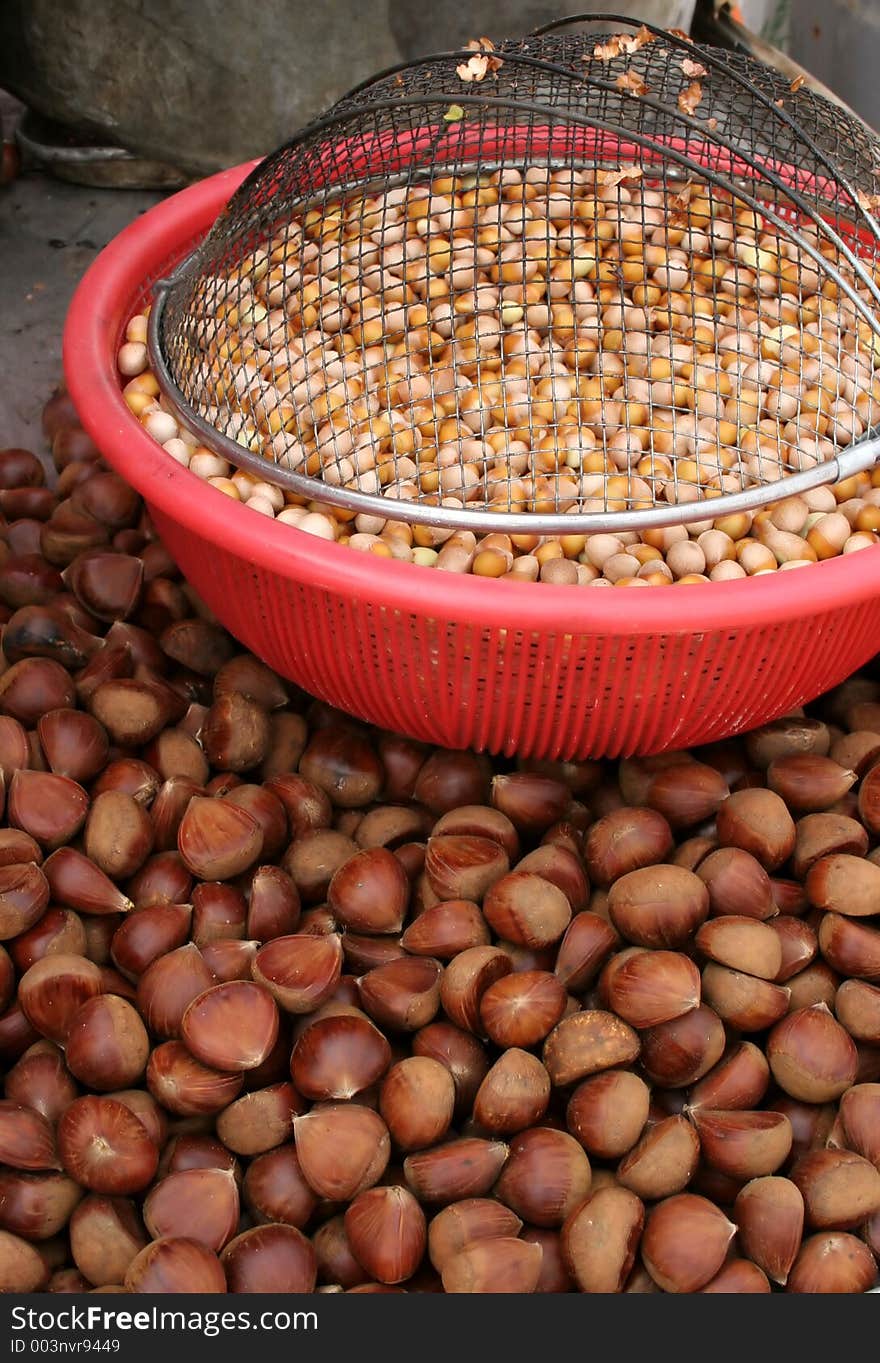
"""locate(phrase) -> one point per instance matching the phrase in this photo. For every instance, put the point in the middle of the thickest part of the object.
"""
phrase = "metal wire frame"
(246, 215)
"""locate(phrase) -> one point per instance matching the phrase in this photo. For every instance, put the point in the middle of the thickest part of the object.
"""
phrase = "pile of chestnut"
(289, 1004)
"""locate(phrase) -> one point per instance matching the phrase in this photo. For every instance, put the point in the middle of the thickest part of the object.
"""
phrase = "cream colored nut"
(314, 523)
(132, 358)
(207, 465)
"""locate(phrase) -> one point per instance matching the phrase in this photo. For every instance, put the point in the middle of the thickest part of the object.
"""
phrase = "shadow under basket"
(461, 661)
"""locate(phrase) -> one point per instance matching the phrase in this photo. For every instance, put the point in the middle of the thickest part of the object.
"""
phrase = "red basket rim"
(101, 306)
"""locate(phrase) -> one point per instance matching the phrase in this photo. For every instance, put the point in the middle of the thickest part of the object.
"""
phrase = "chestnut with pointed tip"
(202, 1202)
(169, 985)
(460, 1053)
(514, 1094)
(416, 1100)
(743, 1144)
(187, 1087)
(387, 1232)
(739, 1081)
(402, 995)
(546, 1175)
(370, 892)
(625, 840)
(273, 1258)
(142, 937)
(651, 987)
(840, 1188)
(24, 897)
(833, 1262)
(231, 1026)
(343, 1148)
(445, 929)
(811, 1056)
(678, 1053)
(273, 908)
(464, 866)
(300, 971)
(744, 1002)
(464, 1168)
(809, 782)
(217, 840)
(658, 906)
(464, 1223)
(78, 882)
(53, 990)
(107, 1046)
(466, 979)
(600, 1239)
(588, 942)
(769, 1215)
(175, 1264)
(339, 1056)
(41, 1080)
(27, 1140)
(685, 1242)
(526, 909)
(607, 1113)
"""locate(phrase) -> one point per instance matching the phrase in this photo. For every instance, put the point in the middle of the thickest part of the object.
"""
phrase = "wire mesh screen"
(565, 283)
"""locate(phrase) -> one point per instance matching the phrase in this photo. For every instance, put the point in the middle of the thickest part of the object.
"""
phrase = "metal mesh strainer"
(571, 284)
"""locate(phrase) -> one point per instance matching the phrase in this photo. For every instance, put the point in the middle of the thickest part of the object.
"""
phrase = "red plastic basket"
(457, 660)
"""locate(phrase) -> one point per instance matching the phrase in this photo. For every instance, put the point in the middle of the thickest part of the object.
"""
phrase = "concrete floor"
(50, 232)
